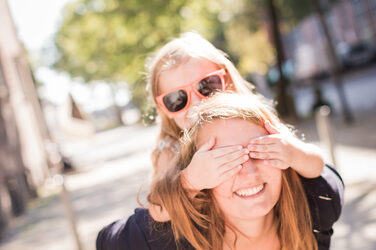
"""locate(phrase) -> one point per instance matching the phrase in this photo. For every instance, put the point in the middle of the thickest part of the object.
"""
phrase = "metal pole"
(324, 131)
(68, 210)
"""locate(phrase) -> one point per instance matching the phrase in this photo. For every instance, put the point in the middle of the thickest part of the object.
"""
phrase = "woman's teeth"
(250, 191)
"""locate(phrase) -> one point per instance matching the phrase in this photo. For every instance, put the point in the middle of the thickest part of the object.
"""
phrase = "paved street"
(114, 165)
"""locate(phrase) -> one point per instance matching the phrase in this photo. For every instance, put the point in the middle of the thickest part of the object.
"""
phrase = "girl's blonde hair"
(200, 220)
(180, 50)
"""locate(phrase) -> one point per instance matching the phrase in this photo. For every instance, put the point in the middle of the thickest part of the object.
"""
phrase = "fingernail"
(246, 151)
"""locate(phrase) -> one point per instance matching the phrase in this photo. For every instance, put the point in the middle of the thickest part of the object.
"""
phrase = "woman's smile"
(250, 192)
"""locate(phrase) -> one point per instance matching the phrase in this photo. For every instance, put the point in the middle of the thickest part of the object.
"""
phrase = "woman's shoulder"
(123, 234)
(139, 231)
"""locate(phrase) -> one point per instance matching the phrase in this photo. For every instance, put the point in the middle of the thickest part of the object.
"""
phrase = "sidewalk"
(113, 165)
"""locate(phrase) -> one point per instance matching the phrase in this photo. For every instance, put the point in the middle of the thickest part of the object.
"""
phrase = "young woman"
(263, 206)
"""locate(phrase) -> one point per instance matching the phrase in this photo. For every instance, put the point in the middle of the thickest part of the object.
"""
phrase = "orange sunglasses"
(179, 99)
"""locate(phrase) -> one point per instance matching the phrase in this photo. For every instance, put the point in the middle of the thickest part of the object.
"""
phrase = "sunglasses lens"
(209, 85)
(176, 100)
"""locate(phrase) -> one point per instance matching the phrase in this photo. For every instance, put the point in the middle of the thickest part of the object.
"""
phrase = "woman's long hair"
(180, 50)
(200, 220)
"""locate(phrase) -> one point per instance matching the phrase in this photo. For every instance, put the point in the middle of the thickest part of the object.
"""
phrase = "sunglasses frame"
(189, 88)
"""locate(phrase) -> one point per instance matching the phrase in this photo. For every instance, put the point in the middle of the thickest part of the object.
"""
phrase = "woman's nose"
(248, 167)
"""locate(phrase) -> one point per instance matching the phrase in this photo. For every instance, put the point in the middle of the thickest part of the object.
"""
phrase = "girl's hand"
(210, 167)
(284, 151)
(276, 149)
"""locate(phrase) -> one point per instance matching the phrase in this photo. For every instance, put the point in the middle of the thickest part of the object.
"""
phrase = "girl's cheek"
(181, 120)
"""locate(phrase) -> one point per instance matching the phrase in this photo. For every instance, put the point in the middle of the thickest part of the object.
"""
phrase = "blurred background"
(77, 126)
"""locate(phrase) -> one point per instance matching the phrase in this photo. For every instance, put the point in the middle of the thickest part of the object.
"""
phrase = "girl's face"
(255, 189)
(188, 72)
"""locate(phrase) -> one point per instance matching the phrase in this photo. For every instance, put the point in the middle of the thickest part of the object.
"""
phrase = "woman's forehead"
(229, 132)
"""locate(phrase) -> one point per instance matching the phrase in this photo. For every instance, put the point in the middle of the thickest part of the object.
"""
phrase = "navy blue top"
(140, 231)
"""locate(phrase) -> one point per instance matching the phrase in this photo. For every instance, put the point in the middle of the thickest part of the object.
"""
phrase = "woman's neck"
(260, 233)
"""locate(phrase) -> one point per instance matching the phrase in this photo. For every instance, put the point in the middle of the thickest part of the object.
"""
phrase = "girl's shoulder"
(168, 142)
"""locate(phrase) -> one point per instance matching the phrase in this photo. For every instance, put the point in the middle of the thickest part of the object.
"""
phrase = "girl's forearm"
(308, 160)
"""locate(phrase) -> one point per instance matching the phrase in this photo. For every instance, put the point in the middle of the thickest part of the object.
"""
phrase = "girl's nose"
(194, 99)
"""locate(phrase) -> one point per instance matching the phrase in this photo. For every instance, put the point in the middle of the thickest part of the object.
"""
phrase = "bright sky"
(36, 22)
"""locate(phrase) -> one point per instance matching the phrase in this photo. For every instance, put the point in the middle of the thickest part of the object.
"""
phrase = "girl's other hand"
(210, 167)
(284, 150)
(275, 149)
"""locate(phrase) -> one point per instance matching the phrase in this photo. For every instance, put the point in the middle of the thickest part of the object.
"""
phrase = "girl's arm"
(307, 159)
(159, 213)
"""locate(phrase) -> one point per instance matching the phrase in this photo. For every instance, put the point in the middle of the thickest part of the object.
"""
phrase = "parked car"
(356, 55)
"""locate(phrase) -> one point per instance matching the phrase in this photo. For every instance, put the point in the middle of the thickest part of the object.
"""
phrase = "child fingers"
(270, 128)
(263, 155)
(231, 164)
(262, 148)
(229, 173)
(268, 139)
(219, 152)
(209, 144)
(232, 156)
